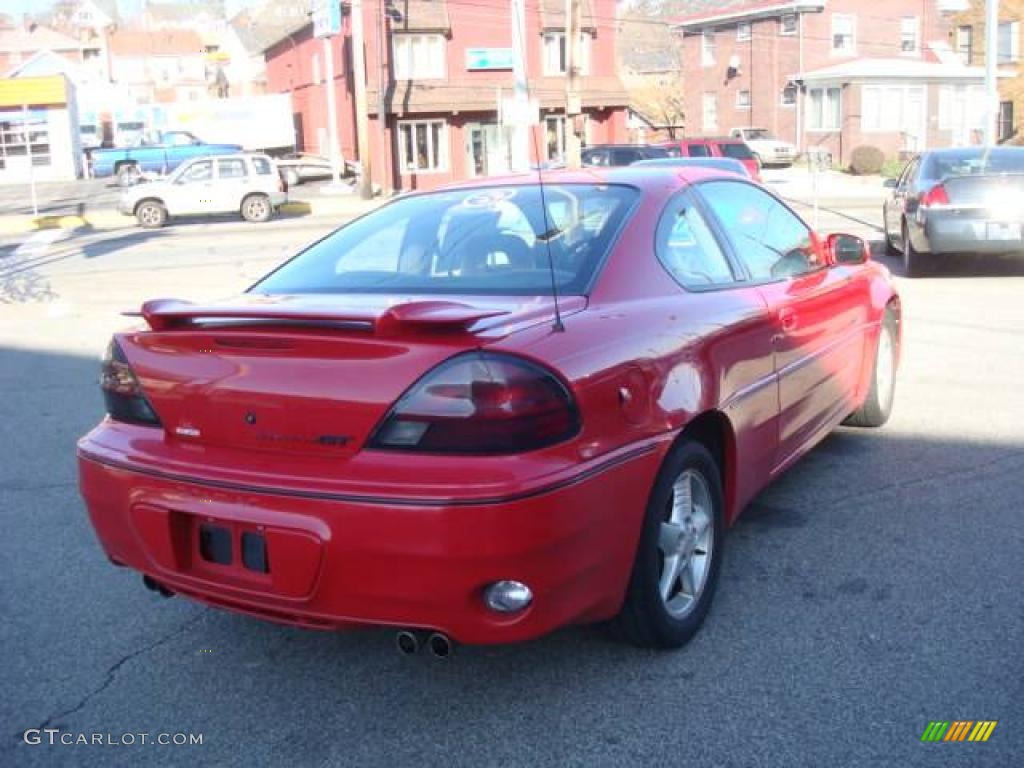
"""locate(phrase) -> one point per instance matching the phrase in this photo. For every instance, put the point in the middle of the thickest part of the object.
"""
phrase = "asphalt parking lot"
(874, 588)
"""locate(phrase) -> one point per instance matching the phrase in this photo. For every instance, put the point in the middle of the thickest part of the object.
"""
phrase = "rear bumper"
(343, 561)
(953, 231)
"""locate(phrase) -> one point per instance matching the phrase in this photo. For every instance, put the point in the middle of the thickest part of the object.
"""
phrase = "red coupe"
(492, 410)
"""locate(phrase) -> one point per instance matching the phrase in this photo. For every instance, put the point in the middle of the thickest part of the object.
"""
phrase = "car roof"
(620, 146)
(698, 139)
(652, 180)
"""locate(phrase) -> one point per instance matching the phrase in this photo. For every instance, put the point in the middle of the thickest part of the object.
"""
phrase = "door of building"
(488, 149)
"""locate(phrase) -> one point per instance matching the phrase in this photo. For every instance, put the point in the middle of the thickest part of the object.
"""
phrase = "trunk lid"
(304, 375)
(990, 191)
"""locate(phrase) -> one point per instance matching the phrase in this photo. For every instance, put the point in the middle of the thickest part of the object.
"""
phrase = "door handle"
(787, 320)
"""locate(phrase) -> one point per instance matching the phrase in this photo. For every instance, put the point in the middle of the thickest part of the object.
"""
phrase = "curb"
(108, 219)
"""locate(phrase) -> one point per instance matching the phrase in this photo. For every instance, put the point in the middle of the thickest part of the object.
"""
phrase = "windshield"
(487, 240)
(974, 161)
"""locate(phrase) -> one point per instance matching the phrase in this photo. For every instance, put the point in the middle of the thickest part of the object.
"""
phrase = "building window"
(742, 99)
(908, 35)
(825, 109)
(965, 44)
(891, 108)
(788, 24)
(844, 34)
(556, 56)
(1006, 130)
(789, 95)
(20, 138)
(418, 57)
(709, 112)
(707, 48)
(743, 31)
(1009, 42)
(422, 145)
(554, 132)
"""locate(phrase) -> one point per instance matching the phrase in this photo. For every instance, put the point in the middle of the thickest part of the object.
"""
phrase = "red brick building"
(834, 74)
(445, 67)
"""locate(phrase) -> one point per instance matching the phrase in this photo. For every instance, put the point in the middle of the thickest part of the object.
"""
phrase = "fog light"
(507, 596)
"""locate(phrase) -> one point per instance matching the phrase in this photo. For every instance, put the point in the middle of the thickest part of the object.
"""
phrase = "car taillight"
(935, 196)
(121, 391)
(480, 403)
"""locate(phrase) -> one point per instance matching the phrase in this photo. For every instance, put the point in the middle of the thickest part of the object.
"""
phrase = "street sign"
(488, 58)
(326, 18)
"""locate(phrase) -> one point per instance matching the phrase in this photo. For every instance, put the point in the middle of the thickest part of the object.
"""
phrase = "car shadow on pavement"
(954, 266)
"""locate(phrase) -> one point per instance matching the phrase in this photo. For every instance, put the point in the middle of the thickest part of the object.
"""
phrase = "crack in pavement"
(111, 673)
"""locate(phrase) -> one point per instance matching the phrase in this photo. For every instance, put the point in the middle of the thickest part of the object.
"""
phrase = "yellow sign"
(33, 91)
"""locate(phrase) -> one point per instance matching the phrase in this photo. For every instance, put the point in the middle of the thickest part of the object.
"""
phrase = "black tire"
(645, 619)
(914, 262)
(128, 175)
(151, 214)
(877, 406)
(890, 247)
(256, 208)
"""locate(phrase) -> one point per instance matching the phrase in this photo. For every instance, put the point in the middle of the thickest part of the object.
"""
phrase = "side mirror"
(891, 183)
(847, 249)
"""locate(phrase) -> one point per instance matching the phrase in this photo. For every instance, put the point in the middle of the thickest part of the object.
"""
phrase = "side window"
(179, 139)
(262, 166)
(596, 157)
(231, 169)
(699, 150)
(674, 151)
(625, 156)
(688, 250)
(769, 239)
(907, 177)
(197, 172)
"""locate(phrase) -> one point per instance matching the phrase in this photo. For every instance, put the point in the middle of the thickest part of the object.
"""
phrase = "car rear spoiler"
(171, 314)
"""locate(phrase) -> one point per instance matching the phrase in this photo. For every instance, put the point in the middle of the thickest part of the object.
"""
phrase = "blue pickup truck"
(157, 152)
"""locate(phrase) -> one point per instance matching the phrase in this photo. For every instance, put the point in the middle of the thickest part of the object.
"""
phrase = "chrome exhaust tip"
(407, 642)
(440, 645)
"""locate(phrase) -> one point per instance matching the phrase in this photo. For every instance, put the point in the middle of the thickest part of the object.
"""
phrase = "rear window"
(972, 162)
(262, 166)
(490, 240)
(735, 150)
(673, 151)
(698, 150)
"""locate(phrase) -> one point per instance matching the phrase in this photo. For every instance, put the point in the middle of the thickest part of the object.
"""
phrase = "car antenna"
(547, 236)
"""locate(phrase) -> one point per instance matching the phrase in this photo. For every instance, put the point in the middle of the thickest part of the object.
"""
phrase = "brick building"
(835, 75)
(445, 67)
(967, 38)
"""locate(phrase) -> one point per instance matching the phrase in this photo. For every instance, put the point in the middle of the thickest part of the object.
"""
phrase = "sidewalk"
(832, 186)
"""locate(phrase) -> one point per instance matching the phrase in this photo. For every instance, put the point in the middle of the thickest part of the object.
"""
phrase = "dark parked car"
(726, 164)
(716, 146)
(965, 200)
(620, 154)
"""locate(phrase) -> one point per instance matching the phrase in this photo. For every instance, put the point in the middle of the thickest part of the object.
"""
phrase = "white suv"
(243, 183)
(766, 148)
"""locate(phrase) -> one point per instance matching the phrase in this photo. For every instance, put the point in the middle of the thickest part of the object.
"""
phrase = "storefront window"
(24, 134)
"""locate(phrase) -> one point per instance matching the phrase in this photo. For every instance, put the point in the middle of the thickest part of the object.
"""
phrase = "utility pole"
(383, 81)
(519, 105)
(573, 60)
(359, 83)
(991, 57)
(326, 24)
